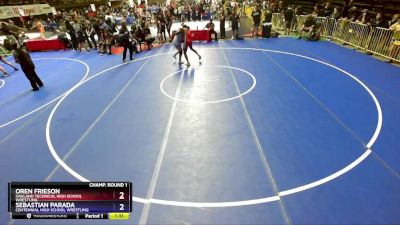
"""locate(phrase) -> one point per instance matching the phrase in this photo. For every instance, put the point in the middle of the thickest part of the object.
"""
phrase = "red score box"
(200, 35)
(44, 45)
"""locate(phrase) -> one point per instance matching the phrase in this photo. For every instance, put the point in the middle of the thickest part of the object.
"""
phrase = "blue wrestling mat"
(278, 131)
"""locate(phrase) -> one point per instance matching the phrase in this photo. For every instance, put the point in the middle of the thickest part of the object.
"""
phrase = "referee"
(22, 57)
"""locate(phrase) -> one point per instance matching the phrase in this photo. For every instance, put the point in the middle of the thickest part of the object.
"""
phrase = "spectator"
(93, 28)
(82, 36)
(336, 13)
(281, 7)
(256, 15)
(22, 37)
(210, 26)
(289, 16)
(316, 11)
(228, 12)
(235, 25)
(51, 24)
(72, 34)
(395, 27)
(274, 8)
(161, 29)
(87, 28)
(110, 29)
(377, 21)
(364, 17)
(148, 38)
(268, 15)
(39, 26)
(187, 13)
(222, 24)
(394, 20)
(62, 36)
(353, 14)
(328, 9)
(296, 15)
(346, 8)
(143, 36)
(180, 12)
(264, 5)
(109, 17)
(168, 19)
(196, 15)
(11, 31)
(104, 39)
(298, 10)
(308, 26)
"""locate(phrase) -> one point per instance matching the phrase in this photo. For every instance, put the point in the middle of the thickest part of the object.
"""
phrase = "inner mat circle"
(218, 80)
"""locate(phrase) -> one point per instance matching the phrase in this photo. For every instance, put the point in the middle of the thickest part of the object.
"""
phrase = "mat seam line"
(153, 183)
(261, 153)
(23, 125)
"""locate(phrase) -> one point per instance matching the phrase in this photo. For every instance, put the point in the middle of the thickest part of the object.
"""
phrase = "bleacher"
(54, 3)
(388, 7)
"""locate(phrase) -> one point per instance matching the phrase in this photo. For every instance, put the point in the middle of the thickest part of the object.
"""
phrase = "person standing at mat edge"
(126, 41)
(222, 24)
(234, 18)
(23, 58)
(256, 15)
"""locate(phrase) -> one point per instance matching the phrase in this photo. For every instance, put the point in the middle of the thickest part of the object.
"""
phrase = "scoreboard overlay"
(70, 200)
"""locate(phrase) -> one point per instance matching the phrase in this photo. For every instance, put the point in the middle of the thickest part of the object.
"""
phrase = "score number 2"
(121, 196)
(121, 206)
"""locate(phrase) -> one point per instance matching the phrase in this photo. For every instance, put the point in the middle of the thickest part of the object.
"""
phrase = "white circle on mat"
(301, 188)
(2, 83)
(210, 101)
